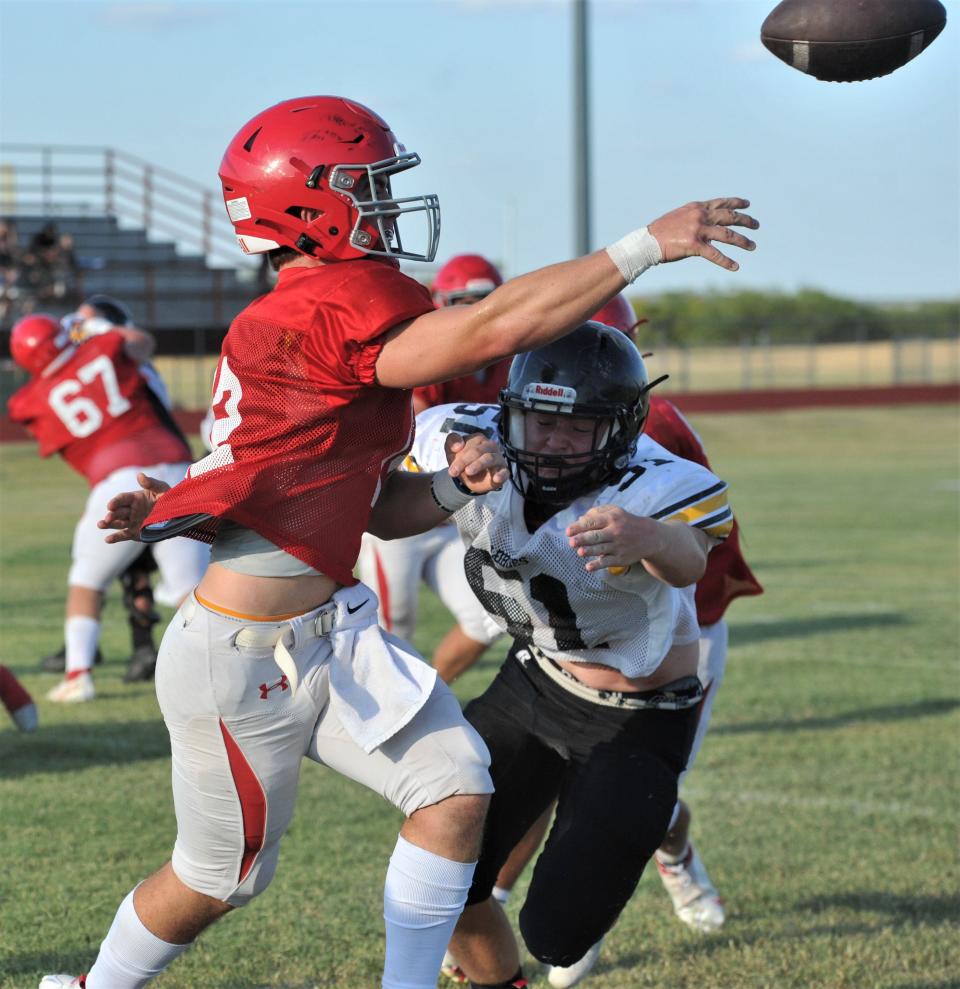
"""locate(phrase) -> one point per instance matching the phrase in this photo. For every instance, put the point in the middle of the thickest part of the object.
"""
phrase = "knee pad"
(135, 581)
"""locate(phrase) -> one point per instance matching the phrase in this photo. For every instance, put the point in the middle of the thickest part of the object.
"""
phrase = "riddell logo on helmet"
(551, 393)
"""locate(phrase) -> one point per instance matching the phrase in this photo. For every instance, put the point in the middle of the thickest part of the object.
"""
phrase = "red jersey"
(480, 388)
(97, 411)
(303, 435)
(727, 575)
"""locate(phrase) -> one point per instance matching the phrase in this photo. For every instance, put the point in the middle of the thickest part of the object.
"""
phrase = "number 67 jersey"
(94, 407)
(535, 586)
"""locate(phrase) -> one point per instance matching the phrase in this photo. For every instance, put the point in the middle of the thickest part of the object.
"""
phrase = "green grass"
(825, 799)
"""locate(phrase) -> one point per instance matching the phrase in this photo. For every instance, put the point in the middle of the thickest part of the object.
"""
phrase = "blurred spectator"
(9, 269)
(50, 267)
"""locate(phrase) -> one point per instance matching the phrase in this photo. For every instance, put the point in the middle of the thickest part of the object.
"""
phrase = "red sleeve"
(666, 425)
(727, 575)
(430, 395)
(357, 309)
(18, 405)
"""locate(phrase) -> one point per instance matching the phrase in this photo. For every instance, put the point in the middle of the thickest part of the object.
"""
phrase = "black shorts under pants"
(614, 772)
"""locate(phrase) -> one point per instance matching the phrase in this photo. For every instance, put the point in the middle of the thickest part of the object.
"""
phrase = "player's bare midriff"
(264, 596)
(679, 662)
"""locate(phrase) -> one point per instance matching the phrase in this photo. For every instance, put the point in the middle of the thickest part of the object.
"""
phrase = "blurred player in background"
(17, 701)
(98, 312)
(396, 567)
(588, 562)
(88, 401)
(313, 415)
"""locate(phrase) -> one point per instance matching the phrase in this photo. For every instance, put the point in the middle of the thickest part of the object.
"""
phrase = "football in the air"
(851, 40)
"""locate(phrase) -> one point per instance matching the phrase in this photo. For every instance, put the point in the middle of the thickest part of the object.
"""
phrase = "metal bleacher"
(154, 239)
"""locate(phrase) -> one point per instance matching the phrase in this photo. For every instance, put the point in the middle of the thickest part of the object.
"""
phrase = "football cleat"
(56, 662)
(75, 691)
(695, 899)
(451, 971)
(564, 976)
(142, 665)
(63, 982)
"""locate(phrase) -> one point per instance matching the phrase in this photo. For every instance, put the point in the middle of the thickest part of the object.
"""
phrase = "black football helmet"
(109, 308)
(594, 373)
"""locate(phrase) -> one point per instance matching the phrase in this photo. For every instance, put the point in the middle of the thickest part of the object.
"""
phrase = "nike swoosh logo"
(353, 611)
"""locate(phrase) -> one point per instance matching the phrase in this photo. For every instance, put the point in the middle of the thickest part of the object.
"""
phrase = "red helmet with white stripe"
(37, 340)
(332, 156)
(464, 278)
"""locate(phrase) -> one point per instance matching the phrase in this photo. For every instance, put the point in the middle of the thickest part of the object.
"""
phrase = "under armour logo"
(283, 683)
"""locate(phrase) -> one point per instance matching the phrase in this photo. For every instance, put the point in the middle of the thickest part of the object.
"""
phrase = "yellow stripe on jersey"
(718, 526)
(410, 464)
(691, 514)
(712, 514)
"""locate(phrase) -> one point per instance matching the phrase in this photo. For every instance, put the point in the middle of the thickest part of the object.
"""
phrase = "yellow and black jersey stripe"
(707, 509)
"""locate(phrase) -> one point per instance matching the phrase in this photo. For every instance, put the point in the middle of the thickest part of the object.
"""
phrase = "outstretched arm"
(531, 310)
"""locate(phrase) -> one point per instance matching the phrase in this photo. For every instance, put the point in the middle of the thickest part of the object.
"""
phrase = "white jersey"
(535, 586)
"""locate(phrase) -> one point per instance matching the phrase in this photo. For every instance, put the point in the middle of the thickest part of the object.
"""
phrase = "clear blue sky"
(856, 186)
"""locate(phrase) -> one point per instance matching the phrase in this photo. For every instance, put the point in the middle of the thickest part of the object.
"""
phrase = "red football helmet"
(466, 276)
(619, 314)
(36, 340)
(328, 154)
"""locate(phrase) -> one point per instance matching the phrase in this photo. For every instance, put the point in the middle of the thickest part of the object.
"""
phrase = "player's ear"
(308, 215)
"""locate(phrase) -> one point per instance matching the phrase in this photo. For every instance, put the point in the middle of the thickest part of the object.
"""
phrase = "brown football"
(851, 40)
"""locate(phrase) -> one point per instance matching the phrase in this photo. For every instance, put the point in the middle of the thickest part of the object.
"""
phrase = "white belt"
(262, 636)
(689, 693)
(281, 636)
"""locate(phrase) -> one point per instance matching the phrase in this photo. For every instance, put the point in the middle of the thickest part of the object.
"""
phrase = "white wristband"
(635, 253)
(449, 495)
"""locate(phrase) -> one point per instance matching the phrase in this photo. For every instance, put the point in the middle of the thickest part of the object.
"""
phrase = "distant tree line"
(807, 316)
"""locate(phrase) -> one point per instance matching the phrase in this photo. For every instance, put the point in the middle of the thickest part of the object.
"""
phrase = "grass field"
(826, 799)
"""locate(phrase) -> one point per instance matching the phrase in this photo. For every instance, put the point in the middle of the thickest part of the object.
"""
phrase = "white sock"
(82, 635)
(130, 955)
(423, 897)
(500, 894)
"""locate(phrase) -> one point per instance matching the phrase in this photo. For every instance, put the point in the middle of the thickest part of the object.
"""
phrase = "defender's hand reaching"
(607, 536)
(477, 461)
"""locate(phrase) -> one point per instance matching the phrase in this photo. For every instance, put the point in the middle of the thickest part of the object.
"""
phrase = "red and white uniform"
(727, 575)
(94, 408)
(303, 436)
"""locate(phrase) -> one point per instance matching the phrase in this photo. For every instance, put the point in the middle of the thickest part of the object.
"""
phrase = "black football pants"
(615, 773)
